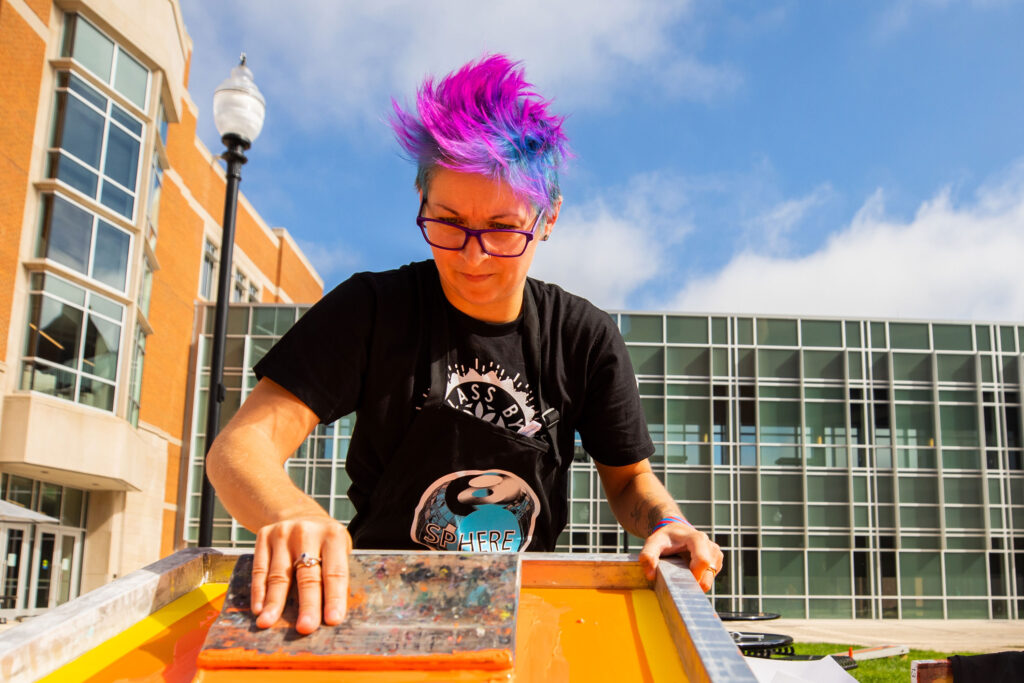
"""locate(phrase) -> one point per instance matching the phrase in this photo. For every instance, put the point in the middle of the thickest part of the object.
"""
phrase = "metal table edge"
(47, 642)
(706, 649)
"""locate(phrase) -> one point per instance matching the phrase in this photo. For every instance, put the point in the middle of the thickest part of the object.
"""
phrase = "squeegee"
(407, 611)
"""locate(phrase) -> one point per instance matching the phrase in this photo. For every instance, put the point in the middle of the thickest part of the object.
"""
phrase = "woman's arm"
(246, 467)
(246, 462)
(640, 502)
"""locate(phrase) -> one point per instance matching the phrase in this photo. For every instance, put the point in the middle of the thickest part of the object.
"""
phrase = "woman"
(468, 379)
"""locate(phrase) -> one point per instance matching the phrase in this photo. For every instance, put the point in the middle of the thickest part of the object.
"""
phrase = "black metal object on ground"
(762, 644)
(747, 616)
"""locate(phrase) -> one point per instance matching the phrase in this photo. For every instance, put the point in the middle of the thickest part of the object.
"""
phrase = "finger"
(705, 578)
(279, 578)
(260, 567)
(655, 546)
(706, 565)
(335, 577)
(310, 590)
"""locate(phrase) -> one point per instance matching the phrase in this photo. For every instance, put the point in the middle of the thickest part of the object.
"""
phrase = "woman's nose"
(474, 252)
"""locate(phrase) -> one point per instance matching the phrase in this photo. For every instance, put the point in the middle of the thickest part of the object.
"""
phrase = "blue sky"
(819, 157)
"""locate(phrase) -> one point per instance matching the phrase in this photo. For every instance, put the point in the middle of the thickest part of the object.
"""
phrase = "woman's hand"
(706, 556)
(643, 506)
(246, 466)
(322, 587)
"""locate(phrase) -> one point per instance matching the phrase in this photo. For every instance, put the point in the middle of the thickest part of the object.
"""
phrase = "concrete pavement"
(947, 636)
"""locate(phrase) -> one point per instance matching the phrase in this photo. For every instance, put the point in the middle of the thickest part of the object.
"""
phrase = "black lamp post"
(238, 111)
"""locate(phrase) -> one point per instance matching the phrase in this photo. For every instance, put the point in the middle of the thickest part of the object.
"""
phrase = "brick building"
(110, 211)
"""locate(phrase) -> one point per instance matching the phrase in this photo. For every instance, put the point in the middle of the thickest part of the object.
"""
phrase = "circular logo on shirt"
(490, 396)
(476, 511)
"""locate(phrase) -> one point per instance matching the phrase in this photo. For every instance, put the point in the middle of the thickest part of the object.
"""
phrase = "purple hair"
(485, 118)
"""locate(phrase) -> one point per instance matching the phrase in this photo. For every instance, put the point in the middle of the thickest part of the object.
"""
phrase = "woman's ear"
(549, 223)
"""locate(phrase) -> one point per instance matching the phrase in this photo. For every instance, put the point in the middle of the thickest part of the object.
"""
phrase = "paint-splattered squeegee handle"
(406, 611)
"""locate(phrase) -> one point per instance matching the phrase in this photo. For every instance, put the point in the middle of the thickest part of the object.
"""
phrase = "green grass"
(876, 670)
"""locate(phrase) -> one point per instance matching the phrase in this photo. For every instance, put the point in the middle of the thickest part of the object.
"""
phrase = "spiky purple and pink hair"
(486, 118)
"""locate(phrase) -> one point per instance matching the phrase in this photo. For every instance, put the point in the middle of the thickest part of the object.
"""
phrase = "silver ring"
(306, 560)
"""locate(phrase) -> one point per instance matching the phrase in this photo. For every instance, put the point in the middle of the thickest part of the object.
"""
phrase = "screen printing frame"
(61, 635)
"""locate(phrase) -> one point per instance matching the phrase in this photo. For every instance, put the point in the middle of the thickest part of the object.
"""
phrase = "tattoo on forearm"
(647, 512)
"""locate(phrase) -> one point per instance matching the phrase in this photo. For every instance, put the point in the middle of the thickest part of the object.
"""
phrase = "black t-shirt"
(486, 374)
(365, 348)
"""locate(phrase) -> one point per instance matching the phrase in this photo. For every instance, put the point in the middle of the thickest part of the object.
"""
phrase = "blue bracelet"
(671, 520)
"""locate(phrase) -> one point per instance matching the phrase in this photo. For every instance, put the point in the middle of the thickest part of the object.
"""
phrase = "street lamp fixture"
(238, 106)
(238, 111)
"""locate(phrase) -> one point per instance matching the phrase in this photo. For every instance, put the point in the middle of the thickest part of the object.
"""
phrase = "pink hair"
(486, 118)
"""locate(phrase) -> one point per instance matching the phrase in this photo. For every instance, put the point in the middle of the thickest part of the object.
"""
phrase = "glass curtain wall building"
(848, 468)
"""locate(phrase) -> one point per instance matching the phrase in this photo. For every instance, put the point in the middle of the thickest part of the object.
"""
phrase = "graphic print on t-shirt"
(487, 511)
(487, 392)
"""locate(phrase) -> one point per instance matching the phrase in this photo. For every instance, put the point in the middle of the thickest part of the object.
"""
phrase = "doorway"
(56, 563)
(15, 546)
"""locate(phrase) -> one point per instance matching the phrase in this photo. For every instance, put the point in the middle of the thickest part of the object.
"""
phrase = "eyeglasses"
(505, 243)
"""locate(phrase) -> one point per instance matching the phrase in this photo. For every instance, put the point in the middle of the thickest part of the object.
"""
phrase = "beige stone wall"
(123, 470)
(143, 512)
(67, 443)
(103, 539)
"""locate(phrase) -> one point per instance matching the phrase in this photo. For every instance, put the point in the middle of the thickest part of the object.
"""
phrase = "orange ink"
(562, 634)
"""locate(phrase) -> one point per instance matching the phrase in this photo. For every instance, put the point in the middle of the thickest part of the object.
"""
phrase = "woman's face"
(488, 288)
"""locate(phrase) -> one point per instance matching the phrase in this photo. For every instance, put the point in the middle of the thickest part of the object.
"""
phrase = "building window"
(146, 287)
(135, 383)
(72, 343)
(19, 490)
(96, 145)
(240, 288)
(80, 240)
(156, 182)
(84, 43)
(254, 294)
(63, 502)
(208, 270)
(161, 123)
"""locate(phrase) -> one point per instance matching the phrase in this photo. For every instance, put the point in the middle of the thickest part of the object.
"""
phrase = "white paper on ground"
(825, 670)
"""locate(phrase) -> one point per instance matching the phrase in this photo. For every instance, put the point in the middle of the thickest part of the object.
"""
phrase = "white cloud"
(773, 228)
(947, 262)
(897, 16)
(693, 80)
(608, 254)
(598, 255)
(331, 63)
